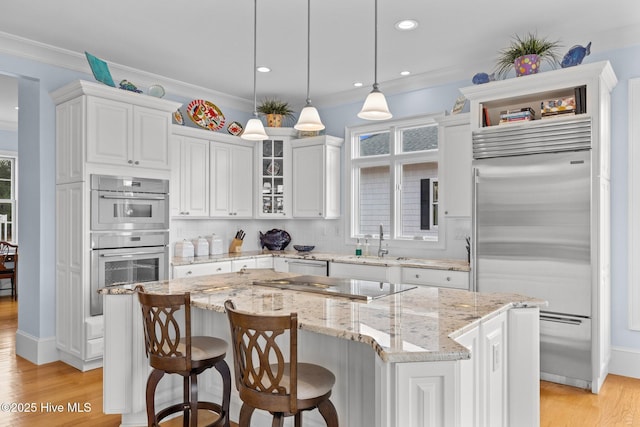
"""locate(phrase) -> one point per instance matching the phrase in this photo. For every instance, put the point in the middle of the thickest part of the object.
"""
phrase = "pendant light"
(254, 131)
(309, 119)
(375, 106)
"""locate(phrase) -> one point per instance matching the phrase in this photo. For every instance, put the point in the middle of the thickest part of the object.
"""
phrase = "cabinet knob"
(417, 276)
(219, 269)
(320, 213)
(136, 162)
(130, 162)
(446, 212)
(189, 273)
(448, 279)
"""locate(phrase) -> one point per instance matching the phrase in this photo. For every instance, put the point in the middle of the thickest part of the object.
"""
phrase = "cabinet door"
(359, 271)
(70, 147)
(274, 178)
(150, 138)
(242, 182)
(194, 179)
(470, 375)
(175, 192)
(308, 181)
(220, 184)
(109, 132)
(457, 170)
(493, 334)
(432, 277)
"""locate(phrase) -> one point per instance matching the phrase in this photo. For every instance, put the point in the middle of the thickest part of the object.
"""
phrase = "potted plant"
(524, 54)
(276, 111)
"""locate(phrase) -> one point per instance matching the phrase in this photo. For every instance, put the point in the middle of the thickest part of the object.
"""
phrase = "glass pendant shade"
(254, 131)
(375, 107)
(309, 119)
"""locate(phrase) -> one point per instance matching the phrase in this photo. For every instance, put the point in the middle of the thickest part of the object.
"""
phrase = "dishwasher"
(308, 266)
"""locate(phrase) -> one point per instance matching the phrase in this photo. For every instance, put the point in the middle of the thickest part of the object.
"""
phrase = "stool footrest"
(181, 407)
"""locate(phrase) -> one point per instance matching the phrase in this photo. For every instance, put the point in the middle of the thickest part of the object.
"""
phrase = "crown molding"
(52, 55)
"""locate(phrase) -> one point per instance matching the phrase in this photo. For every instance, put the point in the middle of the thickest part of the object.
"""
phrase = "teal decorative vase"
(527, 64)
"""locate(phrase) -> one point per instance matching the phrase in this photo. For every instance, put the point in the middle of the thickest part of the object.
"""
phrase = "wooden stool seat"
(172, 353)
(286, 388)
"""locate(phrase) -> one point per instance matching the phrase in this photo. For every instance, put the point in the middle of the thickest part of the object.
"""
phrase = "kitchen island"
(422, 357)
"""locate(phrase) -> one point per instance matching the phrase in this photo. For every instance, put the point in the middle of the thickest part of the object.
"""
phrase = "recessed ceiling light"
(405, 73)
(407, 25)
(358, 84)
(263, 69)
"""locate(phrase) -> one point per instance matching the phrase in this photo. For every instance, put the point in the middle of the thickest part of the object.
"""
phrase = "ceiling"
(209, 44)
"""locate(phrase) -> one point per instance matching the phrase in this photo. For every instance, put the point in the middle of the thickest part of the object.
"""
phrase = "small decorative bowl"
(303, 248)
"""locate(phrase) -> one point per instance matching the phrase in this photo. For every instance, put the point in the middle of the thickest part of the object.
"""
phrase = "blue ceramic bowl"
(303, 248)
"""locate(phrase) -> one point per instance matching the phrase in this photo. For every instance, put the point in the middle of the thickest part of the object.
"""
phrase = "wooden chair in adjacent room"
(9, 266)
(186, 355)
(265, 380)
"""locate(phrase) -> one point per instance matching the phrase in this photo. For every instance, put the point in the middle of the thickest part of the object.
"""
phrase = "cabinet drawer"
(359, 271)
(194, 270)
(94, 327)
(239, 264)
(264, 262)
(443, 278)
(95, 348)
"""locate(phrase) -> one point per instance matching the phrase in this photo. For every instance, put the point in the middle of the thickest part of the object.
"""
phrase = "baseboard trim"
(36, 350)
(625, 362)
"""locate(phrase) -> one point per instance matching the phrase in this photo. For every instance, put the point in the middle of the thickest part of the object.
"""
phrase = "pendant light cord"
(255, 42)
(308, 49)
(375, 46)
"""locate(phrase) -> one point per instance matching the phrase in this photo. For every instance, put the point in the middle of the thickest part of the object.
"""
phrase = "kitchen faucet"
(381, 252)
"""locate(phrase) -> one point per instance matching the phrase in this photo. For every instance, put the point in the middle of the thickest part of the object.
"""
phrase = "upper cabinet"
(189, 176)
(316, 177)
(455, 151)
(274, 173)
(232, 179)
(111, 127)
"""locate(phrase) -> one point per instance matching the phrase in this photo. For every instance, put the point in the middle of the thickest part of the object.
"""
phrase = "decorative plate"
(100, 69)
(177, 116)
(205, 114)
(272, 169)
(235, 128)
(156, 90)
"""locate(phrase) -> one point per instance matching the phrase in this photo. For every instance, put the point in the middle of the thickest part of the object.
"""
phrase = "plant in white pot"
(525, 54)
(276, 111)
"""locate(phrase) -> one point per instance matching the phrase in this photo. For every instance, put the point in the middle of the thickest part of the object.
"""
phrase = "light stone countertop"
(436, 264)
(412, 326)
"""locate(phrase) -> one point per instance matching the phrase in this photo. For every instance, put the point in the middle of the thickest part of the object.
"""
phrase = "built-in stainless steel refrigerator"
(531, 233)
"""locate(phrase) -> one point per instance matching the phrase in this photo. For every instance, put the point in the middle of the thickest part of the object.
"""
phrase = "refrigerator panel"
(565, 349)
(532, 228)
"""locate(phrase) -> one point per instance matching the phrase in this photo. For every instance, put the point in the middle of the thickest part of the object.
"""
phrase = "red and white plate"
(205, 114)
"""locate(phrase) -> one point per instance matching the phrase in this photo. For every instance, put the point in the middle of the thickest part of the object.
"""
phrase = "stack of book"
(558, 107)
(519, 115)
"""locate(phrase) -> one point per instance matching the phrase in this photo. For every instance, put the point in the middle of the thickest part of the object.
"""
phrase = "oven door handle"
(107, 196)
(130, 254)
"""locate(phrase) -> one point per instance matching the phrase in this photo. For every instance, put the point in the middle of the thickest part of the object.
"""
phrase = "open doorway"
(8, 167)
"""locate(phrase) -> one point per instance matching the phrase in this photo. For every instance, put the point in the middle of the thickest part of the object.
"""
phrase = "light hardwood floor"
(22, 382)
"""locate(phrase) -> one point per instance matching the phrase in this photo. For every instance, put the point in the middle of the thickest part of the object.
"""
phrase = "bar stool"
(170, 352)
(284, 389)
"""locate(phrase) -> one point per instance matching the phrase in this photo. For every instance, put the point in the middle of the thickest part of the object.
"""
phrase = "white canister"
(184, 249)
(216, 245)
(201, 246)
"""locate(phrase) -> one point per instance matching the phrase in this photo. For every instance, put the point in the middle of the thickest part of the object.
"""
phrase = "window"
(7, 198)
(393, 171)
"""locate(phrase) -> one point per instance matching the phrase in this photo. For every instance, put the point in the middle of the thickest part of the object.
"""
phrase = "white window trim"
(634, 206)
(400, 158)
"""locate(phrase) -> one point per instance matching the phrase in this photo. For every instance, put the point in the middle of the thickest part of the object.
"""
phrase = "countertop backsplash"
(326, 235)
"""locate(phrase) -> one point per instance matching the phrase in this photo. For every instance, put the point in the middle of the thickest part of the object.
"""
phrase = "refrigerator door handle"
(474, 230)
(559, 319)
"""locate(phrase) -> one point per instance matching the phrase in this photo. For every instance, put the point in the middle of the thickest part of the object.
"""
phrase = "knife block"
(235, 246)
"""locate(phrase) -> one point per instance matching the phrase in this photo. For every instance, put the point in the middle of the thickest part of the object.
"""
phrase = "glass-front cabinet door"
(275, 175)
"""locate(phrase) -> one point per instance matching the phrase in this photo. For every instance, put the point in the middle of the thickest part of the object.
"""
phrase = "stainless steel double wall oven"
(129, 232)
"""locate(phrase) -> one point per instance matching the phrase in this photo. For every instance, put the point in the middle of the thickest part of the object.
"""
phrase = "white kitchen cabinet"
(493, 359)
(202, 269)
(316, 177)
(239, 264)
(470, 377)
(231, 179)
(122, 134)
(281, 264)
(189, 176)
(434, 277)
(265, 262)
(454, 142)
(274, 174)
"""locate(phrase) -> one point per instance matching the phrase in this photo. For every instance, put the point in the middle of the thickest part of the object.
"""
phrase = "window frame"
(13, 156)
(395, 161)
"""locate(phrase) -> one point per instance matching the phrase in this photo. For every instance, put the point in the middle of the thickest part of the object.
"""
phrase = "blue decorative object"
(303, 248)
(481, 78)
(575, 55)
(100, 69)
(127, 85)
(275, 240)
